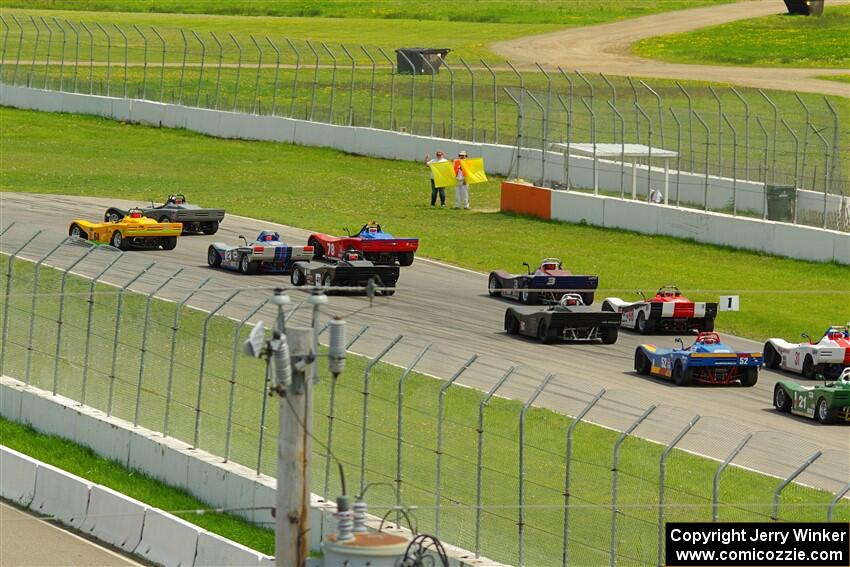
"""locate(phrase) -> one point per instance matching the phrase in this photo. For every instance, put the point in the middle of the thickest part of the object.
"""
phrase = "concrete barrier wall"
(500, 159)
(207, 477)
(781, 239)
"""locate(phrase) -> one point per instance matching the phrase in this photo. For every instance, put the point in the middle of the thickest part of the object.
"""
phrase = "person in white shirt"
(462, 189)
(435, 190)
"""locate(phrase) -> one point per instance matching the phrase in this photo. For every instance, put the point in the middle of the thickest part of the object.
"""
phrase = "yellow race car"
(135, 230)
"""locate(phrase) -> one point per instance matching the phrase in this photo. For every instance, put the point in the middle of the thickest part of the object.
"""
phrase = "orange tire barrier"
(526, 199)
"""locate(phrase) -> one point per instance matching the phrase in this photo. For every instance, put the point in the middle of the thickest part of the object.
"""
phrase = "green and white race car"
(825, 402)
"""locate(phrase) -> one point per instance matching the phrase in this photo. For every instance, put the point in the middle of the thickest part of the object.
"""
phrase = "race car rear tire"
(609, 335)
(164, 219)
(545, 334)
(809, 368)
(246, 266)
(113, 215)
(706, 326)
(493, 286)
(587, 298)
(822, 412)
(389, 289)
(781, 399)
(327, 281)
(607, 306)
(750, 377)
(642, 365)
(118, 241)
(169, 243)
(643, 325)
(511, 323)
(405, 259)
(77, 232)
(209, 228)
(527, 297)
(771, 357)
(213, 257)
(682, 377)
(318, 249)
(297, 277)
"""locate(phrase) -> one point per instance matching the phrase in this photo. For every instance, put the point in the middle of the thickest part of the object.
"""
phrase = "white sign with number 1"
(729, 303)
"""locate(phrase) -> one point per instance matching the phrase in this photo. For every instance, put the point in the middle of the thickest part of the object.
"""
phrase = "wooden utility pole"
(294, 450)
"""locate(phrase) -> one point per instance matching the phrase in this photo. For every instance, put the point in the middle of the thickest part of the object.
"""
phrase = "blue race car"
(266, 254)
(707, 360)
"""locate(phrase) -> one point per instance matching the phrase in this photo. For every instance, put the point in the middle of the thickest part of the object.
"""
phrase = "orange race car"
(133, 231)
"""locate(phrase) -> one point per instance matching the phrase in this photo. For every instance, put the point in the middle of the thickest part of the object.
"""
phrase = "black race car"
(195, 219)
(351, 270)
(570, 319)
(545, 285)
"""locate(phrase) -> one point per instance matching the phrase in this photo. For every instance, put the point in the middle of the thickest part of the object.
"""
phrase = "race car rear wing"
(565, 283)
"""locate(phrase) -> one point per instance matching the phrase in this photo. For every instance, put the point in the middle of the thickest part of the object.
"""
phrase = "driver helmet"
(135, 214)
(178, 200)
(550, 266)
(268, 237)
(709, 340)
(372, 229)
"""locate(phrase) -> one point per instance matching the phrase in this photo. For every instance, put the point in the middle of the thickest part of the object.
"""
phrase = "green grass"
(289, 184)
(83, 462)
(771, 41)
(744, 495)
(840, 78)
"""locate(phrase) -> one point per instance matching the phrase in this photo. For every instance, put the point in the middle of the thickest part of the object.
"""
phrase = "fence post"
(734, 164)
(838, 496)
(569, 125)
(276, 74)
(392, 88)
(785, 482)
(61, 61)
(5, 43)
(495, 102)
(351, 86)
(400, 427)
(662, 470)
(59, 320)
(613, 104)
(295, 78)
(472, 86)
(521, 84)
(143, 350)
(126, 49)
(592, 91)
(593, 144)
(47, 58)
(835, 126)
(715, 494)
(548, 101)
(433, 94)
(543, 141)
(616, 114)
(20, 44)
(91, 57)
(234, 360)
(8, 290)
(775, 134)
(719, 130)
(332, 416)
(87, 346)
(567, 151)
(145, 62)
(257, 78)
(746, 131)
(366, 374)
(480, 465)
(118, 310)
(678, 151)
(238, 71)
(521, 495)
(315, 77)
(796, 163)
(440, 403)
(764, 166)
(202, 366)
(649, 153)
(333, 81)
(31, 75)
(690, 122)
(565, 555)
(162, 63)
(660, 112)
(36, 276)
(518, 132)
(372, 88)
(412, 87)
(201, 70)
(825, 168)
(707, 142)
(805, 137)
(175, 327)
(615, 481)
(108, 56)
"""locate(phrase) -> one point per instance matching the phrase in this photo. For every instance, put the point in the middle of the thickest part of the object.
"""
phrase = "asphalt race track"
(450, 308)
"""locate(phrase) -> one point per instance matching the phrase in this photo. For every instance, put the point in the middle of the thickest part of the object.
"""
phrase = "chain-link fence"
(775, 139)
(485, 470)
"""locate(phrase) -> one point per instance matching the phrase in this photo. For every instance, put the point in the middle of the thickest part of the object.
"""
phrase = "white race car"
(829, 355)
(669, 310)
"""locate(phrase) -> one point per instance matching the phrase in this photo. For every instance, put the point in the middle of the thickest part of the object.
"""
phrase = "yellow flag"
(473, 170)
(444, 174)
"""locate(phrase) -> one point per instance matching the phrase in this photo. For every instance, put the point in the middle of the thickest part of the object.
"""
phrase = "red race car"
(669, 310)
(377, 246)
